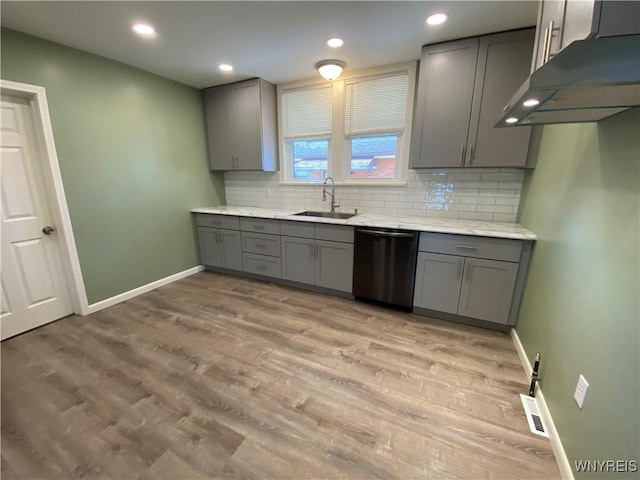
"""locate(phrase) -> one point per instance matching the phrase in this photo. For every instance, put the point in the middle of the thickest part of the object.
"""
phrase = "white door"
(34, 286)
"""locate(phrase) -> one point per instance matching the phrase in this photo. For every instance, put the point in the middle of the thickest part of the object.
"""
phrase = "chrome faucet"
(334, 203)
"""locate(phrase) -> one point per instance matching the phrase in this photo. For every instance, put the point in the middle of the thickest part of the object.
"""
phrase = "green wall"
(132, 152)
(581, 303)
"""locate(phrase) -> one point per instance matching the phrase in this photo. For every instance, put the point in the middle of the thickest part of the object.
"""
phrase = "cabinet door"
(503, 65)
(298, 262)
(334, 265)
(550, 21)
(246, 125)
(438, 280)
(579, 20)
(443, 107)
(230, 251)
(219, 143)
(487, 289)
(209, 246)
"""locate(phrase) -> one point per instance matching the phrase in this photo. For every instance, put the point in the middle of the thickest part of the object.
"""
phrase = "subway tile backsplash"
(468, 194)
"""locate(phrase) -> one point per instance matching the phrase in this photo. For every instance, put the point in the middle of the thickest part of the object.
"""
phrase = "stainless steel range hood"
(587, 81)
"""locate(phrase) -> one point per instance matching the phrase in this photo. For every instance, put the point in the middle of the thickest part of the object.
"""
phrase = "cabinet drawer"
(470, 246)
(261, 243)
(262, 265)
(218, 221)
(297, 229)
(334, 233)
(260, 225)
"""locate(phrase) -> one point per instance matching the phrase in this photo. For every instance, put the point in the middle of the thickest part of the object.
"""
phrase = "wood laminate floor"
(221, 377)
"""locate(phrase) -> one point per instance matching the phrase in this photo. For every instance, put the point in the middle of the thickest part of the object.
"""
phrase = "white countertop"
(421, 224)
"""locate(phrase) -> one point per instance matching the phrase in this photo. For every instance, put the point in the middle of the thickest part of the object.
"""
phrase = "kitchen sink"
(309, 213)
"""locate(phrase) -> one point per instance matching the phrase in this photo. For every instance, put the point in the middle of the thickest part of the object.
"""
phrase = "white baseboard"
(556, 445)
(94, 307)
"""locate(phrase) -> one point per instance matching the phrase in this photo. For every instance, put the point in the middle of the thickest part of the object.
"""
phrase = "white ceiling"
(278, 41)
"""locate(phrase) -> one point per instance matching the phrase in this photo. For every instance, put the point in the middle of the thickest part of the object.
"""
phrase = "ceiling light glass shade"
(335, 42)
(225, 67)
(437, 18)
(330, 69)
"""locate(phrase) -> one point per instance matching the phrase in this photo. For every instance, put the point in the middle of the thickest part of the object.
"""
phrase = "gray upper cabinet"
(462, 88)
(503, 64)
(219, 142)
(241, 126)
(445, 90)
(549, 32)
(561, 22)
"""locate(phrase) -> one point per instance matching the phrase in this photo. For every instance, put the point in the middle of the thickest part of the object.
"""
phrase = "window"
(354, 129)
(306, 131)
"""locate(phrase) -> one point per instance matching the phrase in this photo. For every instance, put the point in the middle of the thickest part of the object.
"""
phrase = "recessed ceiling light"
(225, 67)
(335, 42)
(437, 18)
(143, 29)
(511, 120)
(531, 102)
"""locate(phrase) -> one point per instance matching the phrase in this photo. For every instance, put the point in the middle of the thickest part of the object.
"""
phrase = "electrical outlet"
(581, 391)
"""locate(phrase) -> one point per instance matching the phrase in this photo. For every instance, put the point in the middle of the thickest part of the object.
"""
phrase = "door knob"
(48, 230)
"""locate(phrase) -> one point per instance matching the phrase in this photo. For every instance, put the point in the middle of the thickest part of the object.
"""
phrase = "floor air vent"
(533, 415)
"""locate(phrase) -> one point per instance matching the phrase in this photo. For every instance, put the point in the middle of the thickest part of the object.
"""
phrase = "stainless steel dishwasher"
(384, 265)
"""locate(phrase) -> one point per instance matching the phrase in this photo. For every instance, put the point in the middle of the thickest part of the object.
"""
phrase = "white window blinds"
(307, 112)
(376, 105)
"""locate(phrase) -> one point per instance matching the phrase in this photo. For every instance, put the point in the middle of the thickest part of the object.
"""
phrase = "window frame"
(339, 154)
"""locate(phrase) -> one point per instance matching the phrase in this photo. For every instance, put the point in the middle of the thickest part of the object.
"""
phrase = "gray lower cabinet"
(220, 248)
(487, 289)
(334, 265)
(472, 277)
(471, 287)
(262, 265)
(438, 280)
(298, 259)
(260, 240)
(321, 263)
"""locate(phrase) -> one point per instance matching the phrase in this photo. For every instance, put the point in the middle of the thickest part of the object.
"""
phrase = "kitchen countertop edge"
(476, 228)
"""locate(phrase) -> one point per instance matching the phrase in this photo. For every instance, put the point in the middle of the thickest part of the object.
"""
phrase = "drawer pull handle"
(467, 247)
(261, 267)
(261, 245)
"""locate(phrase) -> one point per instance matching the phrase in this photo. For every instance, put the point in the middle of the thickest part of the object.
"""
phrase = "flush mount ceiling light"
(143, 29)
(531, 102)
(437, 18)
(335, 42)
(225, 67)
(511, 120)
(330, 69)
